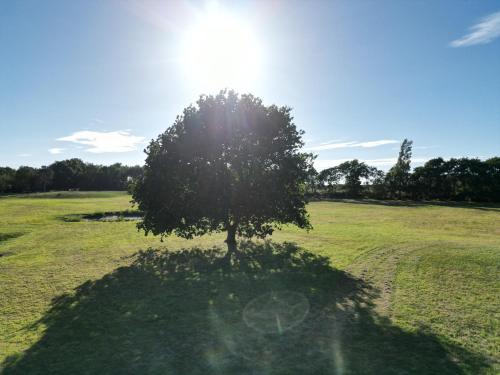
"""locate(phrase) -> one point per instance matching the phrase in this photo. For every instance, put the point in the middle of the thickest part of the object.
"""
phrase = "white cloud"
(377, 143)
(483, 32)
(332, 141)
(24, 155)
(369, 144)
(55, 150)
(383, 163)
(116, 141)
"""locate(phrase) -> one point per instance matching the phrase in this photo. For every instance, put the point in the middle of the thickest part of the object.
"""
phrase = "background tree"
(377, 184)
(457, 179)
(44, 178)
(398, 177)
(230, 164)
(24, 179)
(329, 178)
(467, 179)
(429, 181)
(353, 172)
(312, 181)
(67, 174)
(492, 187)
(7, 177)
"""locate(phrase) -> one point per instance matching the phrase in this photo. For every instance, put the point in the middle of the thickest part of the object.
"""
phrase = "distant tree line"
(456, 179)
(462, 179)
(66, 175)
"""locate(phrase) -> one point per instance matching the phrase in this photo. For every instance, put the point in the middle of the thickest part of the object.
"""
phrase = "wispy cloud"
(335, 145)
(483, 32)
(56, 150)
(101, 142)
(383, 163)
(332, 141)
(24, 155)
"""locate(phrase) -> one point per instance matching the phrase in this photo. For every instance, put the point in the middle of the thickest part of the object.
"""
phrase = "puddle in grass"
(112, 218)
(104, 217)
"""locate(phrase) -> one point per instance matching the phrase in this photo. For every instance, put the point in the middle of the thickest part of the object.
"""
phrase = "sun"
(221, 51)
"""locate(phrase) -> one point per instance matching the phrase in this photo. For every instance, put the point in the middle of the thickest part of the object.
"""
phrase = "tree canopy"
(228, 163)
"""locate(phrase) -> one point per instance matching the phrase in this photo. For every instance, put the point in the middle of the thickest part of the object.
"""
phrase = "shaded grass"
(5, 237)
(432, 272)
(8, 236)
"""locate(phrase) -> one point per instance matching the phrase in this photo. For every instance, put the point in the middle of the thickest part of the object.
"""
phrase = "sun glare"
(220, 51)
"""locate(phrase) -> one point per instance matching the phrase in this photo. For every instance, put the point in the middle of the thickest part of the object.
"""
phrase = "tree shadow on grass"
(280, 310)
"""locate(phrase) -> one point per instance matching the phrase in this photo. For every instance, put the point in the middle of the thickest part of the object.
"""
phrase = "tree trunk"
(231, 240)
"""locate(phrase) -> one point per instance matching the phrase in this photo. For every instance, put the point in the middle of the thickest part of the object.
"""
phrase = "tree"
(7, 177)
(377, 180)
(24, 179)
(398, 176)
(312, 180)
(493, 173)
(468, 179)
(329, 177)
(353, 171)
(44, 177)
(230, 164)
(429, 181)
(67, 173)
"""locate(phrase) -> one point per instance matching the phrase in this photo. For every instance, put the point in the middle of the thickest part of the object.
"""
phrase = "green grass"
(392, 289)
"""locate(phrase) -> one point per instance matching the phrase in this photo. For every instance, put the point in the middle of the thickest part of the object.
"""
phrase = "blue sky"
(98, 79)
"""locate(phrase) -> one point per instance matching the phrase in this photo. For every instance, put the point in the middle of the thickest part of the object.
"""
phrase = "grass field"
(374, 288)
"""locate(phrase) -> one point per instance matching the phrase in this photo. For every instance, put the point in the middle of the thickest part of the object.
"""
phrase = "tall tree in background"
(398, 176)
(230, 164)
